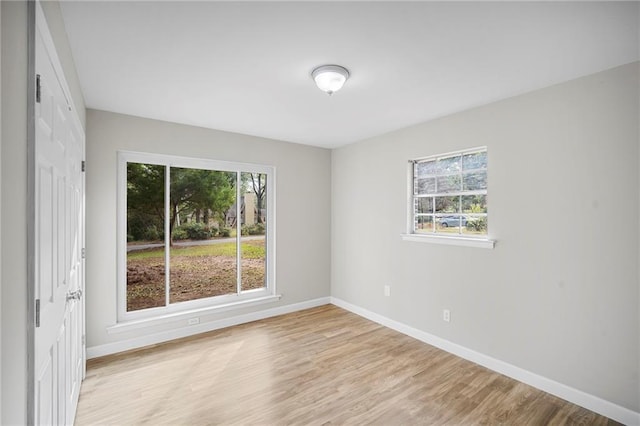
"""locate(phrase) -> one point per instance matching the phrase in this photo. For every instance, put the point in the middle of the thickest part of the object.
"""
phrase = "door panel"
(59, 227)
(61, 374)
(44, 391)
(46, 219)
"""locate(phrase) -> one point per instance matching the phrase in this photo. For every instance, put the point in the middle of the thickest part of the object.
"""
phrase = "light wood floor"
(322, 366)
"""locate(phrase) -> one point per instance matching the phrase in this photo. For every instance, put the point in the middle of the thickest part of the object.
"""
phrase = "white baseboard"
(575, 396)
(165, 336)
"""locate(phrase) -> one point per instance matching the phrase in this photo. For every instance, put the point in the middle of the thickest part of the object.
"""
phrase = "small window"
(194, 233)
(449, 195)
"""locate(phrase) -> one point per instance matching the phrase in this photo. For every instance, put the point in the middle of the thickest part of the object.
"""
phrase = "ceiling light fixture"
(330, 78)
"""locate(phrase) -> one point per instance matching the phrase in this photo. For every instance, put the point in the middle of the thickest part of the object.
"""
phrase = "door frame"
(31, 207)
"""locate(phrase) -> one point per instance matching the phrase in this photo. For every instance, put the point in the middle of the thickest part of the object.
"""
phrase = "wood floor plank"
(322, 366)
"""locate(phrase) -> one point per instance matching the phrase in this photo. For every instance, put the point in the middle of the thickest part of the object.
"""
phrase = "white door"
(59, 197)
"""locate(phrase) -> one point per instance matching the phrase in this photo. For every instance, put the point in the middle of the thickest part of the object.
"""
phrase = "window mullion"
(460, 196)
(167, 235)
(433, 214)
(460, 213)
(238, 234)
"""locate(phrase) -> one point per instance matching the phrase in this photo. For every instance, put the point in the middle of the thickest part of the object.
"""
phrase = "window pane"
(145, 236)
(423, 224)
(203, 250)
(253, 241)
(474, 203)
(476, 225)
(425, 186)
(424, 205)
(448, 165)
(476, 160)
(475, 181)
(447, 204)
(426, 168)
(450, 223)
(449, 183)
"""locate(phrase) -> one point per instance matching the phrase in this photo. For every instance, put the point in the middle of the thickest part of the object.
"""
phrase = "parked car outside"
(452, 220)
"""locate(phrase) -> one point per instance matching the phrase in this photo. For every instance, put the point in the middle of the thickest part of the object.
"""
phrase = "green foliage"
(250, 250)
(474, 203)
(477, 224)
(256, 229)
(143, 227)
(224, 232)
(145, 202)
(194, 231)
(209, 192)
(145, 188)
(179, 234)
(253, 251)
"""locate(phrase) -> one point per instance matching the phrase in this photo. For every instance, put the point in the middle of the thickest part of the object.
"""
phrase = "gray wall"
(0, 214)
(14, 225)
(558, 296)
(303, 203)
(13, 199)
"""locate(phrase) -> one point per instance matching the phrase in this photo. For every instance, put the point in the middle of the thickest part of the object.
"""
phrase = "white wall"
(13, 199)
(558, 296)
(303, 203)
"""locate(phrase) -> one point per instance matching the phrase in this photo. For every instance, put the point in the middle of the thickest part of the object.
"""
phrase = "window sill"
(125, 326)
(450, 240)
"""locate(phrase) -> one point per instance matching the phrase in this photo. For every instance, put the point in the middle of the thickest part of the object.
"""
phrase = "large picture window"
(194, 233)
(449, 194)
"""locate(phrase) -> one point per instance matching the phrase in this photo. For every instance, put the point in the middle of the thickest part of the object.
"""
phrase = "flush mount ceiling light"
(330, 78)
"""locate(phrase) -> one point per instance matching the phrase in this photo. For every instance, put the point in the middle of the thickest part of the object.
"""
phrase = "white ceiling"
(245, 67)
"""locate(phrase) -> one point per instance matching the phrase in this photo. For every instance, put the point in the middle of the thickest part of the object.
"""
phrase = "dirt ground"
(192, 277)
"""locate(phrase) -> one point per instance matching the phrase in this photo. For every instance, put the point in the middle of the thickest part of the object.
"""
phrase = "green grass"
(250, 250)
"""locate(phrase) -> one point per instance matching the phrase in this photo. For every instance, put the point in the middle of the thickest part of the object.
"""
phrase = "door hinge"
(38, 92)
(83, 165)
(37, 312)
(84, 339)
(83, 253)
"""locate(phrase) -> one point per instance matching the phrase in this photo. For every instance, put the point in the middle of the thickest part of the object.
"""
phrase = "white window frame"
(198, 306)
(469, 240)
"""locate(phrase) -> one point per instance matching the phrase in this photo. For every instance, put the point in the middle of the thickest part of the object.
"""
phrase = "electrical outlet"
(193, 321)
(387, 290)
(446, 315)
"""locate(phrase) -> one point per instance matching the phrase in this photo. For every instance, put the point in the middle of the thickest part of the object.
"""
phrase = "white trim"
(575, 396)
(449, 154)
(122, 327)
(192, 162)
(450, 240)
(165, 336)
(167, 242)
